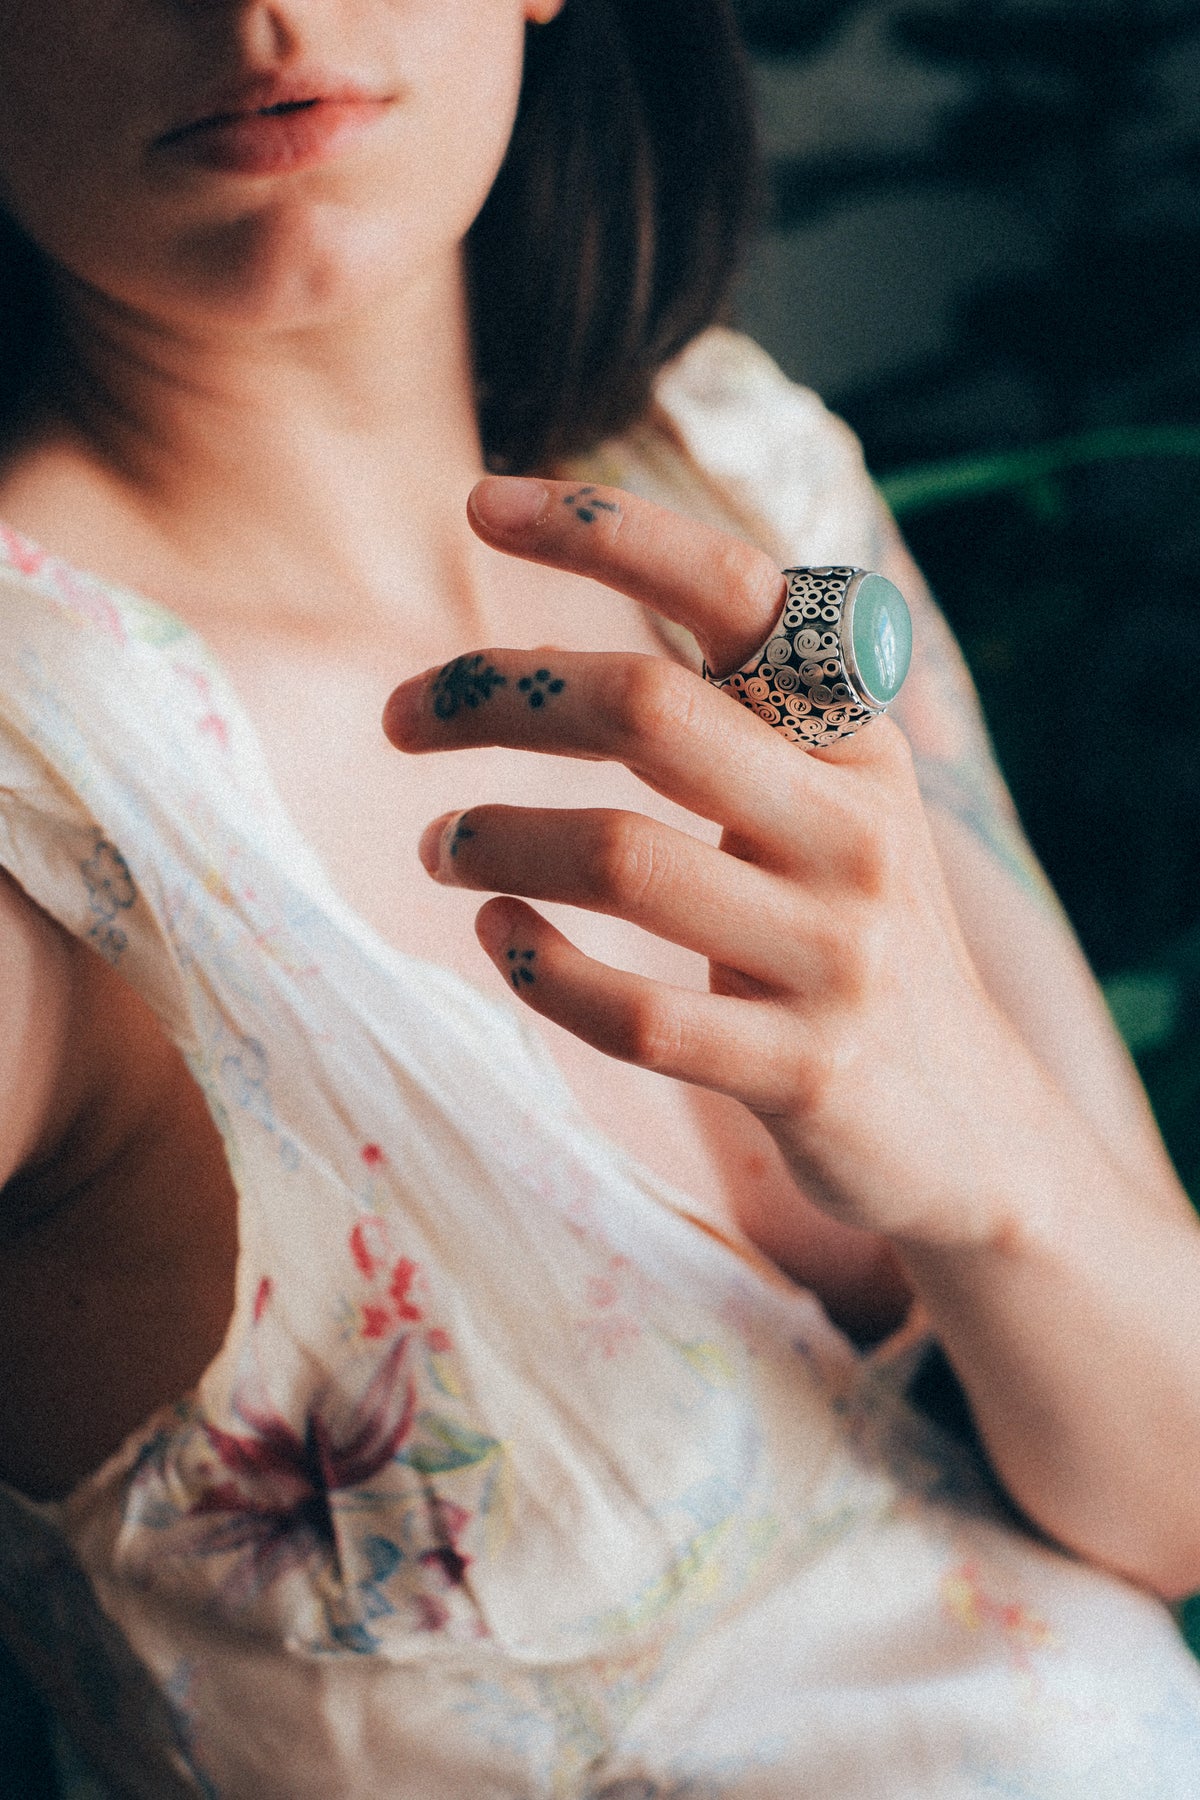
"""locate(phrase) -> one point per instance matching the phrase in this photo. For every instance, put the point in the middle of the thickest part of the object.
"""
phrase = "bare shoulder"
(83, 1062)
(41, 1082)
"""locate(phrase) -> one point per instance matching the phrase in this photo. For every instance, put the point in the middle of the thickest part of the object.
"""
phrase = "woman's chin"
(292, 268)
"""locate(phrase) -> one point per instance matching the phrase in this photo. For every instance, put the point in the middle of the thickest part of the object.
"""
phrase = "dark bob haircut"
(616, 225)
(610, 239)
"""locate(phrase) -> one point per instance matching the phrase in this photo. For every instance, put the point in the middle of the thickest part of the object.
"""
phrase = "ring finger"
(665, 881)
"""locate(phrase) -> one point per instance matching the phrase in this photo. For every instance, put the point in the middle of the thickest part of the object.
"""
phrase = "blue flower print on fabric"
(179, 1690)
(244, 1078)
(110, 891)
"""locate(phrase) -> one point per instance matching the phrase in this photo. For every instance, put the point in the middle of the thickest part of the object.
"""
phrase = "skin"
(265, 420)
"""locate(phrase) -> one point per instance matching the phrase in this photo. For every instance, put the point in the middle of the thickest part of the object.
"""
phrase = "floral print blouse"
(510, 1481)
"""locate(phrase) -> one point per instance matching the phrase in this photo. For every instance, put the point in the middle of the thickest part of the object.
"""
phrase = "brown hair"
(610, 238)
(616, 225)
(26, 314)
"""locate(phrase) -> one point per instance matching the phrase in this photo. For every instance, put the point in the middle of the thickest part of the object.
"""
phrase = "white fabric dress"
(509, 1482)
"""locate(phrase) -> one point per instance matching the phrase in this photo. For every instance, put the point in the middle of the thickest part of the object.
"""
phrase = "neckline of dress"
(32, 560)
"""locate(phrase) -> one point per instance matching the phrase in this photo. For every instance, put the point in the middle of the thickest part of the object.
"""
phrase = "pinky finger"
(733, 1046)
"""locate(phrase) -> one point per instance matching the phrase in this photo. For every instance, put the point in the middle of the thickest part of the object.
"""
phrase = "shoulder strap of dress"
(133, 792)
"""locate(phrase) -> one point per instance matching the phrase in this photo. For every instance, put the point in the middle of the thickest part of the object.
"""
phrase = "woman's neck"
(304, 480)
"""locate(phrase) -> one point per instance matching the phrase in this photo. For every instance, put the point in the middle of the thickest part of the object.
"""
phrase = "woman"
(374, 1422)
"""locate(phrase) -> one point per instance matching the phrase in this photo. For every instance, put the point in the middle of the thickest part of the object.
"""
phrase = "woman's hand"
(844, 1011)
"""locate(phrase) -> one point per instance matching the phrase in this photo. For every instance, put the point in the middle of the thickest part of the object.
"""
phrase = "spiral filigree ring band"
(836, 658)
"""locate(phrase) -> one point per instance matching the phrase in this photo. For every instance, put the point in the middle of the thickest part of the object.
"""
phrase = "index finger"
(724, 590)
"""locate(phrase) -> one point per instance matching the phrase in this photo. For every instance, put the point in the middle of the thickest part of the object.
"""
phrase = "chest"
(362, 806)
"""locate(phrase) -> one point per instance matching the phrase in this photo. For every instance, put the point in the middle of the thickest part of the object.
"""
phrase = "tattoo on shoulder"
(539, 686)
(467, 681)
(586, 505)
(520, 968)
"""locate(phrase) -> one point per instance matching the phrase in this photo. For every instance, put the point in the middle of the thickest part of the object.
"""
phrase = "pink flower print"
(87, 598)
(368, 1246)
(403, 1276)
(18, 551)
(602, 1291)
(275, 1506)
(372, 1251)
(451, 1521)
(610, 1326)
(216, 727)
(210, 722)
(372, 1155)
(967, 1598)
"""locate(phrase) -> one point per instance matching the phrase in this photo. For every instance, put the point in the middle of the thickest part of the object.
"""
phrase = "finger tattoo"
(519, 967)
(467, 681)
(585, 505)
(537, 686)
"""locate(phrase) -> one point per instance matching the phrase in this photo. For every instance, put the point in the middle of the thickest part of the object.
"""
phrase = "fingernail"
(401, 711)
(509, 503)
(429, 850)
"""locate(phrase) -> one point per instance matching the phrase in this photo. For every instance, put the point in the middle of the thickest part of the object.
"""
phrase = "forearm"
(1074, 1331)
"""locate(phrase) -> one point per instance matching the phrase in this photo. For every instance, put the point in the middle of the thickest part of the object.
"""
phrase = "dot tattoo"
(465, 682)
(537, 686)
(519, 970)
(585, 504)
(461, 834)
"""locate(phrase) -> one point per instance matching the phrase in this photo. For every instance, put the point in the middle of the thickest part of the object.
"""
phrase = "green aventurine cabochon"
(880, 638)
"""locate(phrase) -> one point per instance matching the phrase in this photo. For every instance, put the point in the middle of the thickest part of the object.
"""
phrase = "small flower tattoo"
(519, 969)
(585, 504)
(537, 686)
(465, 682)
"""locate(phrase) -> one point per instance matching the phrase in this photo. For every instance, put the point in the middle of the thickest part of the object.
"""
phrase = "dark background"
(983, 248)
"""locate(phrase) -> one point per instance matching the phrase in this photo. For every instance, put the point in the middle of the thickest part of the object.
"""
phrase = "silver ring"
(835, 660)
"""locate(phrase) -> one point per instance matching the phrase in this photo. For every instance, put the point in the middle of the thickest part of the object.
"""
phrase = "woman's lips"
(270, 140)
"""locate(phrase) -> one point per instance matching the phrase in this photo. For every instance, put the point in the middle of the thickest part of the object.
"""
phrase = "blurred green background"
(983, 248)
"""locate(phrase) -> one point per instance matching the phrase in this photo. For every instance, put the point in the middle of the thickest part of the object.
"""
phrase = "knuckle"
(895, 751)
(650, 1035)
(867, 951)
(806, 1081)
(734, 566)
(837, 965)
(864, 835)
(874, 861)
(625, 862)
(865, 958)
(656, 702)
(762, 585)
